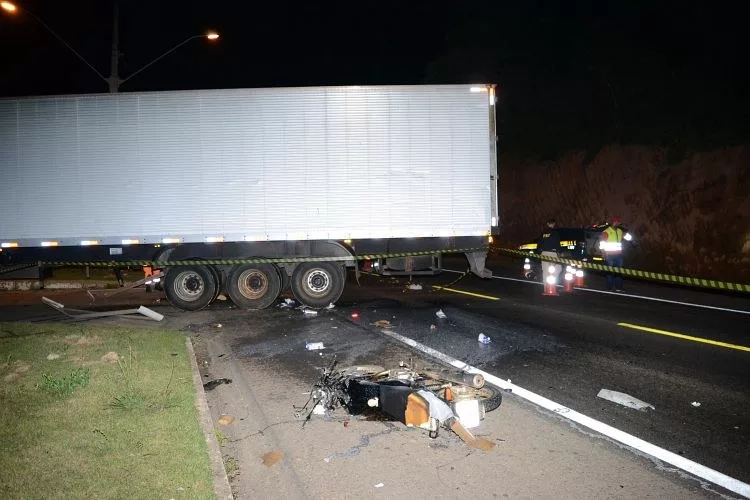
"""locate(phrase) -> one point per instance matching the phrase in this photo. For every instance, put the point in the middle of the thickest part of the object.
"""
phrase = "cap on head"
(615, 221)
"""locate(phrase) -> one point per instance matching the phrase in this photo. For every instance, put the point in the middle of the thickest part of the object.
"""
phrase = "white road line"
(683, 463)
(643, 297)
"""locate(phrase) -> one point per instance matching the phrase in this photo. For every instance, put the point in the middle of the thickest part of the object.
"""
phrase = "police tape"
(636, 273)
(253, 260)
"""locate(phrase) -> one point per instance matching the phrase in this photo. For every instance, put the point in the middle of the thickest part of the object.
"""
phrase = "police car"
(575, 243)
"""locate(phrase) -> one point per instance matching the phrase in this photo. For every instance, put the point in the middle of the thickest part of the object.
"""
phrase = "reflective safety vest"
(611, 240)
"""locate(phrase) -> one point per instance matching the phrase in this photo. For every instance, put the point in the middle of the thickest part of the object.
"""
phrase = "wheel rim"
(252, 284)
(318, 282)
(189, 286)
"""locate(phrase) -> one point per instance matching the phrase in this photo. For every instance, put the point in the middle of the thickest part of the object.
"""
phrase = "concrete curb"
(221, 481)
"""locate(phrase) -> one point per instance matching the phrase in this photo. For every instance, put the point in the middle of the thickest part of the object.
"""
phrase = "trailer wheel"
(317, 284)
(285, 279)
(255, 286)
(191, 287)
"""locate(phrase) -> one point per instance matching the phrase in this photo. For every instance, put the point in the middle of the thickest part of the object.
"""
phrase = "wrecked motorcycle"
(427, 399)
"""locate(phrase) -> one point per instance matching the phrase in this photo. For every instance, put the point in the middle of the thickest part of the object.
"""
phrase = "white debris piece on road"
(287, 303)
(695, 403)
(310, 312)
(440, 314)
(314, 346)
(624, 400)
(414, 286)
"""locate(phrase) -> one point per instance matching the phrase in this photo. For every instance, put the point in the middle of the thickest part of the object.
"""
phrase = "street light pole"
(10, 7)
(114, 78)
(114, 81)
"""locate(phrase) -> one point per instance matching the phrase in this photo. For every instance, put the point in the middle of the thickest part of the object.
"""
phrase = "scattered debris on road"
(213, 384)
(695, 404)
(272, 457)
(382, 323)
(440, 314)
(226, 420)
(314, 346)
(624, 400)
(83, 315)
(414, 286)
(484, 339)
(287, 303)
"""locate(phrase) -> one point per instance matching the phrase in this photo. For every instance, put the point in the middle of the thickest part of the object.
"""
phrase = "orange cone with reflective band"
(579, 277)
(550, 282)
(568, 288)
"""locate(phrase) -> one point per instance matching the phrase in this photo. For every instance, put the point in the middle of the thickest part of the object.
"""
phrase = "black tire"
(317, 284)
(190, 287)
(285, 279)
(254, 286)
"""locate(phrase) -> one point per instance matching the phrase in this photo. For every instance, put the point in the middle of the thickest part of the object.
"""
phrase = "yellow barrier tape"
(255, 260)
(667, 278)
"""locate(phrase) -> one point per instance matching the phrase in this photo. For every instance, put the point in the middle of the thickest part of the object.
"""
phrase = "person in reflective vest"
(549, 246)
(611, 247)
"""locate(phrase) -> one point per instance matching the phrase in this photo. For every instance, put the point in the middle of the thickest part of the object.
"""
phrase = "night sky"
(570, 73)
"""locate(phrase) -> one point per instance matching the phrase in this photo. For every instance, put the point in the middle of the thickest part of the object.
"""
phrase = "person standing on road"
(549, 246)
(611, 246)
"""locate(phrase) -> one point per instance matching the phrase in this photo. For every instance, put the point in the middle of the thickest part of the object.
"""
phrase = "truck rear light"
(170, 240)
(130, 242)
(89, 242)
(50, 243)
(9, 244)
(214, 239)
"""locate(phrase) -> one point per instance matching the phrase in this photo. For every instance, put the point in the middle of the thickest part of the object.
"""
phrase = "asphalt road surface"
(565, 348)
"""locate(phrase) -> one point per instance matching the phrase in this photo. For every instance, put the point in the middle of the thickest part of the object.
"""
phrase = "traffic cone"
(568, 288)
(579, 277)
(550, 282)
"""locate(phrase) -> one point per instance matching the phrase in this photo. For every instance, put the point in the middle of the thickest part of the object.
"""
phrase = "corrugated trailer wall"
(255, 164)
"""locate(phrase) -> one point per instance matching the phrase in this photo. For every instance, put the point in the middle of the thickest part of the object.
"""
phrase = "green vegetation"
(92, 412)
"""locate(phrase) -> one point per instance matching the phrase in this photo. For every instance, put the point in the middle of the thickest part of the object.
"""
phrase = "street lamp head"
(8, 6)
(212, 35)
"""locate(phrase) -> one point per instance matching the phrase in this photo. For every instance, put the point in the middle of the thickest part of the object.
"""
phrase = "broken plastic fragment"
(624, 400)
(414, 286)
(695, 403)
(379, 485)
(382, 323)
(440, 314)
(314, 346)
(310, 312)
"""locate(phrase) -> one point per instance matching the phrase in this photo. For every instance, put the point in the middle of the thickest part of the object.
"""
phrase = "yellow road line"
(686, 337)
(488, 297)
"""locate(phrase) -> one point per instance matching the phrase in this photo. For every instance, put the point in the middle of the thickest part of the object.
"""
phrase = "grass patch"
(64, 386)
(92, 412)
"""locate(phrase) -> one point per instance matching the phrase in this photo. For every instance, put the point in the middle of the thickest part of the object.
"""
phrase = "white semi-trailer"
(318, 176)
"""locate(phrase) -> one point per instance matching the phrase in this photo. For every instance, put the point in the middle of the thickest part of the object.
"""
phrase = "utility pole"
(114, 80)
